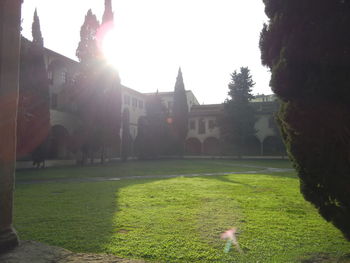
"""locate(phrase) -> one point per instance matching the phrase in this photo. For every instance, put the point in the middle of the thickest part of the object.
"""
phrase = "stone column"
(10, 17)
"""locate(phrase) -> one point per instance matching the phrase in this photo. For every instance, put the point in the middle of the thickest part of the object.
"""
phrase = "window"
(54, 101)
(272, 122)
(170, 105)
(64, 76)
(192, 125)
(140, 104)
(211, 124)
(50, 76)
(126, 100)
(134, 102)
(201, 126)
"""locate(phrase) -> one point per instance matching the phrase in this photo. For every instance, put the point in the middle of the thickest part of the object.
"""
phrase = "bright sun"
(110, 48)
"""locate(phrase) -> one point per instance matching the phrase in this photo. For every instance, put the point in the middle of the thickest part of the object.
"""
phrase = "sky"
(208, 39)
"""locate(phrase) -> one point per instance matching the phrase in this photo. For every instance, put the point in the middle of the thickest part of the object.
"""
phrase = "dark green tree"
(157, 115)
(88, 97)
(126, 136)
(237, 123)
(33, 114)
(179, 115)
(99, 95)
(307, 47)
(87, 51)
(151, 141)
(142, 144)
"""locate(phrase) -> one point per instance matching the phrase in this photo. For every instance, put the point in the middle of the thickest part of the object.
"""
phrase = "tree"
(87, 51)
(33, 114)
(88, 97)
(237, 123)
(157, 115)
(108, 15)
(151, 140)
(306, 46)
(99, 90)
(180, 115)
(142, 143)
(126, 136)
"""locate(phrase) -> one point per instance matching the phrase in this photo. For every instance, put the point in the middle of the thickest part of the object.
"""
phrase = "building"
(203, 131)
(134, 103)
(168, 99)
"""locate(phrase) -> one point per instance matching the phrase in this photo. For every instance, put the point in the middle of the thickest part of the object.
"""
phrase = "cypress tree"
(99, 94)
(108, 15)
(87, 51)
(88, 97)
(307, 47)
(237, 123)
(110, 84)
(142, 142)
(156, 114)
(151, 140)
(34, 113)
(180, 114)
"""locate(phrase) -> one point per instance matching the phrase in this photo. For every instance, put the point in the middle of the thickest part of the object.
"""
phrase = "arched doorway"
(193, 146)
(58, 146)
(211, 146)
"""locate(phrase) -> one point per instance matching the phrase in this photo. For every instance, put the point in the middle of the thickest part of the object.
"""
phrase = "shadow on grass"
(225, 179)
(76, 216)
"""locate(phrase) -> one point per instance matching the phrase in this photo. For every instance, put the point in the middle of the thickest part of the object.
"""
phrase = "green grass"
(180, 219)
(137, 168)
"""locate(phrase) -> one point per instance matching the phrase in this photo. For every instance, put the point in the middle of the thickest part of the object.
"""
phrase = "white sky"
(209, 39)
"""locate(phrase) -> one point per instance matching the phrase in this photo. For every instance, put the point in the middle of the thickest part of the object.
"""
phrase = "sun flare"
(110, 48)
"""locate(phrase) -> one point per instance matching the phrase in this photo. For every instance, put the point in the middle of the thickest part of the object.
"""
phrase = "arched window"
(201, 126)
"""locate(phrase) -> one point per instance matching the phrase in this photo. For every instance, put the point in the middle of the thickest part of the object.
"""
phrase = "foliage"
(126, 136)
(237, 123)
(33, 106)
(108, 15)
(142, 143)
(87, 50)
(306, 46)
(152, 139)
(180, 115)
(99, 96)
(178, 219)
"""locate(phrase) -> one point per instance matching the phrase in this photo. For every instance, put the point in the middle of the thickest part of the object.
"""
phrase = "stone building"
(203, 132)
(134, 103)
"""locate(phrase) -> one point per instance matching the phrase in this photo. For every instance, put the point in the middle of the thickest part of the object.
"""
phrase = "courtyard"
(175, 211)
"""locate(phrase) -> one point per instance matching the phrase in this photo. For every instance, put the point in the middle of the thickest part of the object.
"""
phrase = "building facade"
(203, 136)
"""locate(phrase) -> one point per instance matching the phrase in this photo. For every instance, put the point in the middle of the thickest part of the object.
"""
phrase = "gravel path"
(104, 179)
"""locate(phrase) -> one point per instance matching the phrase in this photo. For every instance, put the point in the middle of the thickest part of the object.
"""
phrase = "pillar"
(10, 16)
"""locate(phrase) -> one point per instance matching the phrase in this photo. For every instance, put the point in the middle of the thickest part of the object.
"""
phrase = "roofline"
(132, 90)
(164, 92)
(52, 52)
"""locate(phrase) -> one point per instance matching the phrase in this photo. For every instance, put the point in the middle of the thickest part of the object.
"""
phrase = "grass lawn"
(179, 219)
(139, 168)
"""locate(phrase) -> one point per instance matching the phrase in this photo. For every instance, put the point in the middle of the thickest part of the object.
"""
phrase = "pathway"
(104, 179)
